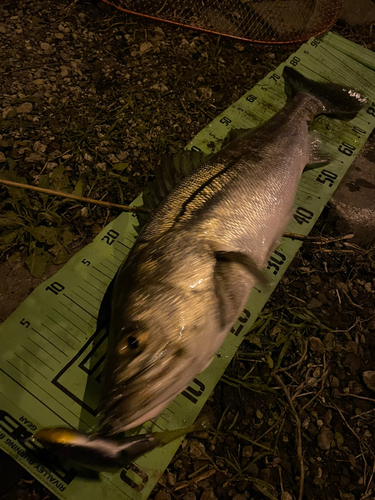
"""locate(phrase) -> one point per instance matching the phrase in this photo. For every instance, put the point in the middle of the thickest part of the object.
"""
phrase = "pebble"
(2, 157)
(33, 158)
(355, 387)
(25, 107)
(325, 437)
(314, 303)
(196, 448)
(239, 496)
(265, 474)
(247, 451)
(208, 494)
(64, 71)
(46, 47)
(286, 496)
(171, 478)
(369, 379)
(220, 477)
(316, 345)
(329, 341)
(163, 495)
(189, 496)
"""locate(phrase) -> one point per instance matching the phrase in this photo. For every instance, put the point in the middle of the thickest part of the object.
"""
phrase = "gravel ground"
(91, 99)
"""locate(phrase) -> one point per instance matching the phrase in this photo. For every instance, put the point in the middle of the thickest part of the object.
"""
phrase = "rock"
(205, 483)
(329, 341)
(314, 303)
(253, 470)
(189, 496)
(335, 382)
(313, 430)
(171, 478)
(64, 71)
(239, 496)
(145, 47)
(325, 438)
(33, 158)
(347, 496)
(242, 485)
(265, 474)
(286, 496)
(355, 387)
(25, 107)
(220, 477)
(328, 417)
(196, 448)
(46, 47)
(39, 147)
(315, 279)
(247, 451)
(317, 372)
(369, 379)
(2, 157)
(163, 495)
(316, 345)
(208, 494)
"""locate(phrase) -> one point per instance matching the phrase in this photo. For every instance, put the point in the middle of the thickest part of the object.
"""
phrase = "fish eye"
(135, 342)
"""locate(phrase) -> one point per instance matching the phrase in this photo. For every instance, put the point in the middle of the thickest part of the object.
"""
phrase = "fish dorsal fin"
(170, 172)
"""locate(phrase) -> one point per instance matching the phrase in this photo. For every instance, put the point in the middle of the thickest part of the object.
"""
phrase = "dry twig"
(52, 192)
(298, 435)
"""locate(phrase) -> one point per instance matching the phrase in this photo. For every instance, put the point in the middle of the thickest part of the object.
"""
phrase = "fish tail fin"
(343, 103)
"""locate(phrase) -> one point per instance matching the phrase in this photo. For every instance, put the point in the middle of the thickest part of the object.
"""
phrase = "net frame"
(276, 29)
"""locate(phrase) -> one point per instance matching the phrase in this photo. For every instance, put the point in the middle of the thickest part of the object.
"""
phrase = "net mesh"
(264, 21)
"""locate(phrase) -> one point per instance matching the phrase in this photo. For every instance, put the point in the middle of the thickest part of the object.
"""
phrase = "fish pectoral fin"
(246, 261)
(317, 156)
(227, 284)
(169, 172)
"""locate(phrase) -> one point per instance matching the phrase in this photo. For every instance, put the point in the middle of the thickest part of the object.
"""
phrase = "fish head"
(164, 330)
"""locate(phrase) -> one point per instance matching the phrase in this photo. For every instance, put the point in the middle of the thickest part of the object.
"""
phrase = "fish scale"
(31, 397)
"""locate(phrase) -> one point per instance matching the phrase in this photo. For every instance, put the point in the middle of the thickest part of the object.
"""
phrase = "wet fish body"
(190, 272)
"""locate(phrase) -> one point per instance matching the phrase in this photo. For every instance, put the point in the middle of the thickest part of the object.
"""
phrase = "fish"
(190, 272)
(106, 454)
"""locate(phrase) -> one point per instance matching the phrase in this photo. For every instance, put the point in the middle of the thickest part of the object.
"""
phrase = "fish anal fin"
(234, 134)
(317, 156)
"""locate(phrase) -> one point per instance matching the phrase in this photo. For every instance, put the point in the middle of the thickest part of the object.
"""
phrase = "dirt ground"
(91, 98)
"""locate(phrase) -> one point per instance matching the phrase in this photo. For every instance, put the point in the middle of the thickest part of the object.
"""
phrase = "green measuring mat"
(51, 357)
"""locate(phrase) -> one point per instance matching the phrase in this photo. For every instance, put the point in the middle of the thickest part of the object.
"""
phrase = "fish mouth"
(142, 397)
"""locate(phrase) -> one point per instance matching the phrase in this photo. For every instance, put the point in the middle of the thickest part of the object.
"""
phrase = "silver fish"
(190, 272)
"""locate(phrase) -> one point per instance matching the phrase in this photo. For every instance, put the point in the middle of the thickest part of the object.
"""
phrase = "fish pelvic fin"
(342, 102)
